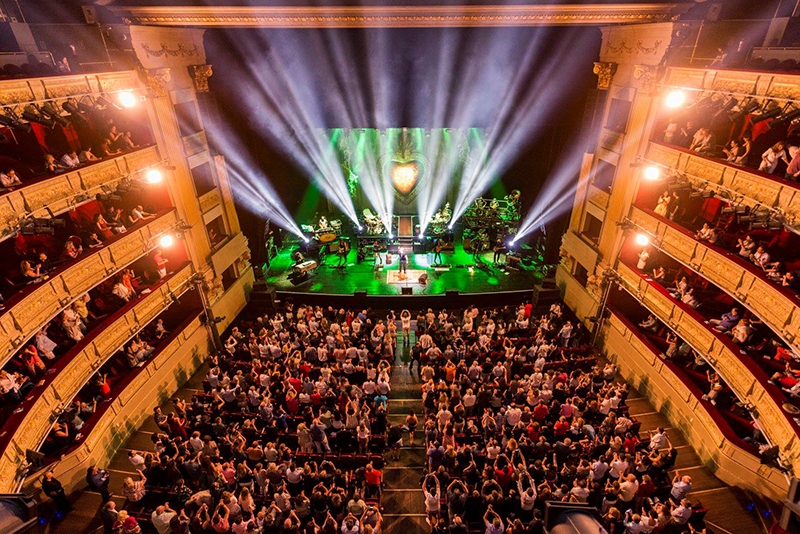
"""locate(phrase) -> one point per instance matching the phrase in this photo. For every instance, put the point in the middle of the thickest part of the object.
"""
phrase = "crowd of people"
(531, 419)
(708, 130)
(289, 435)
(291, 432)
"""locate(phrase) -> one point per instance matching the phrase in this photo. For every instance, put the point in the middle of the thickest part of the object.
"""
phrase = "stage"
(461, 273)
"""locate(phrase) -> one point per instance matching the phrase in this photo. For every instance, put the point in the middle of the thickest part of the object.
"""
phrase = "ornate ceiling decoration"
(399, 16)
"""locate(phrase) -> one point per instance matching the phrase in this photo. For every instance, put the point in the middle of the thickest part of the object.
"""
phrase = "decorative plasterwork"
(157, 80)
(397, 16)
(623, 47)
(200, 75)
(181, 50)
(647, 76)
(605, 73)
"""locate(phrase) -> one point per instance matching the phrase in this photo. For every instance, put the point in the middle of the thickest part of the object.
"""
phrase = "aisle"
(403, 504)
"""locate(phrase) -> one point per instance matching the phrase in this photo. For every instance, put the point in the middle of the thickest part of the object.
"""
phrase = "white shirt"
(70, 162)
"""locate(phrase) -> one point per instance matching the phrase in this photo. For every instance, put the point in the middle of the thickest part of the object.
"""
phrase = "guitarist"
(437, 252)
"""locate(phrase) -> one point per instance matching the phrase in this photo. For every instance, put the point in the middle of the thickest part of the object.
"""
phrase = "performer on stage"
(323, 223)
(437, 252)
(298, 257)
(403, 261)
(498, 250)
(478, 244)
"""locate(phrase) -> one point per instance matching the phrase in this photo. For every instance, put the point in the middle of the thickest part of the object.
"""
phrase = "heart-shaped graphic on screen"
(405, 176)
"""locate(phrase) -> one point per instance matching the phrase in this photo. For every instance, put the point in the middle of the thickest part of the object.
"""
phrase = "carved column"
(647, 76)
(157, 80)
(200, 75)
(605, 73)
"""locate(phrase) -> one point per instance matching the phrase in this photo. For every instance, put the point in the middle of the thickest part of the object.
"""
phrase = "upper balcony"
(52, 195)
(743, 185)
(776, 305)
(45, 300)
(749, 382)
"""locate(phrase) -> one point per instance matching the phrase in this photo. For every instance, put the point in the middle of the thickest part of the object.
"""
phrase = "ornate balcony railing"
(736, 461)
(751, 187)
(37, 419)
(67, 190)
(777, 306)
(748, 381)
(38, 307)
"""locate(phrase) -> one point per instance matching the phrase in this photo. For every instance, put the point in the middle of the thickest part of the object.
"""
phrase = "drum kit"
(440, 219)
(372, 223)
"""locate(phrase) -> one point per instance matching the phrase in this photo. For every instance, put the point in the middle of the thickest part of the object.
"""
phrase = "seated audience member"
(86, 156)
(690, 299)
(760, 257)
(52, 165)
(93, 241)
(746, 246)
(741, 332)
(102, 227)
(127, 142)
(71, 251)
(70, 160)
(728, 320)
(139, 214)
(44, 263)
(116, 220)
(9, 179)
(29, 271)
(105, 150)
(651, 323)
(771, 157)
(703, 233)
(14, 386)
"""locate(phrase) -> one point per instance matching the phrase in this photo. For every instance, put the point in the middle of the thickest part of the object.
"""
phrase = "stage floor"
(483, 278)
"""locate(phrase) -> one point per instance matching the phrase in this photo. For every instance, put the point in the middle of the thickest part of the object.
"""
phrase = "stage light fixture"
(306, 240)
(74, 110)
(652, 173)
(166, 241)
(52, 113)
(675, 99)
(744, 110)
(153, 176)
(86, 107)
(104, 101)
(12, 120)
(766, 114)
(785, 119)
(127, 99)
(727, 107)
(31, 114)
(642, 240)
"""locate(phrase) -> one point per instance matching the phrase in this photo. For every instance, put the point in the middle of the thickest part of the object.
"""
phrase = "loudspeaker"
(407, 290)
(420, 247)
(362, 294)
(451, 293)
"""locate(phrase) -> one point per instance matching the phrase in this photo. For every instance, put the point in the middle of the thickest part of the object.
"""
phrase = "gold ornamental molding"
(157, 80)
(398, 16)
(200, 75)
(605, 73)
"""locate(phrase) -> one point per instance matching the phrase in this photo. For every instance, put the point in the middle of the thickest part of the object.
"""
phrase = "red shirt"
(560, 428)
(533, 433)
(503, 476)
(630, 444)
(373, 477)
(540, 411)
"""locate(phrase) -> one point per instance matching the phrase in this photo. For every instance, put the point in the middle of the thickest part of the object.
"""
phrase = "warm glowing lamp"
(675, 99)
(642, 240)
(166, 241)
(153, 176)
(652, 173)
(127, 99)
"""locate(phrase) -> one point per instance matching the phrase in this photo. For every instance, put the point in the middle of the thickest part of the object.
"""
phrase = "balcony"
(776, 305)
(39, 304)
(667, 384)
(64, 191)
(76, 367)
(749, 382)
(757, 188)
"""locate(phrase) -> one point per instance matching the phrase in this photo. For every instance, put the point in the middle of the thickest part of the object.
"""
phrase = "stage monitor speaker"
(362, 294)
(420, 247)
(451, 293)
(407, 290)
